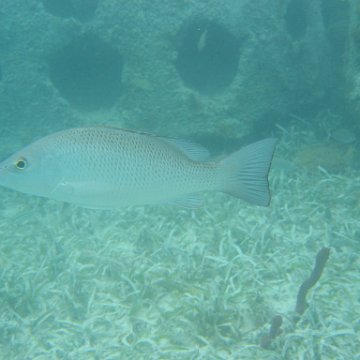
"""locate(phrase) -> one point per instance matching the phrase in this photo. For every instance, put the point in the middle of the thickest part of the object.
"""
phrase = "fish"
(103, 167)
(202, 41)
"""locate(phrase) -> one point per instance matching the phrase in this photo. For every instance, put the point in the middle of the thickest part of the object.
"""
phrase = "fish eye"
(21, 164)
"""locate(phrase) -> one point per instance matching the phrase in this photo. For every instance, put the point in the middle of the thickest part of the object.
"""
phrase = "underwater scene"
(179, 179)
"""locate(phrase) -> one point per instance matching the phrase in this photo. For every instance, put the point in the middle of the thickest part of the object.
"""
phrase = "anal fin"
(191, 201)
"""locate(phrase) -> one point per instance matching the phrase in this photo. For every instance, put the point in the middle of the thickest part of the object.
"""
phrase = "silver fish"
(106, 168)
(202, 40)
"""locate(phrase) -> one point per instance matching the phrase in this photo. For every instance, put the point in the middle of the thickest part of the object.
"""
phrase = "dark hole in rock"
(296, 19)
(208, 57)
(336, 17)
(87, 73)
(80, 9)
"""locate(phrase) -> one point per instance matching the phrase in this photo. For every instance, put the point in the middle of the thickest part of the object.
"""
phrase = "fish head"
(31, 170)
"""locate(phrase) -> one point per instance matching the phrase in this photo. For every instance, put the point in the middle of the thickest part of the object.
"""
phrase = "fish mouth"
(2, 175)
(4, 170)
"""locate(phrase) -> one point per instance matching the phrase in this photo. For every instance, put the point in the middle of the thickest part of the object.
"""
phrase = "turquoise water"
(166, 282)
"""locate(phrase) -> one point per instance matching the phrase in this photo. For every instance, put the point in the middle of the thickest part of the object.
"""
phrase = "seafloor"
(171, 283)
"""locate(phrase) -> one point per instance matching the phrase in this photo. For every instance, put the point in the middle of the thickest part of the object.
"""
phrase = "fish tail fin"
(244, 173)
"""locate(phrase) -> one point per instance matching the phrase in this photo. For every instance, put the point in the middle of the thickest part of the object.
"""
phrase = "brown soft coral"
(331, 157)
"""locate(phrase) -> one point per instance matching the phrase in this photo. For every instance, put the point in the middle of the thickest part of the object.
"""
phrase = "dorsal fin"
(192, 150)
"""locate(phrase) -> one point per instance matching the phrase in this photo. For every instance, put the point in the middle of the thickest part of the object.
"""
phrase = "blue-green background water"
(166, 282)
